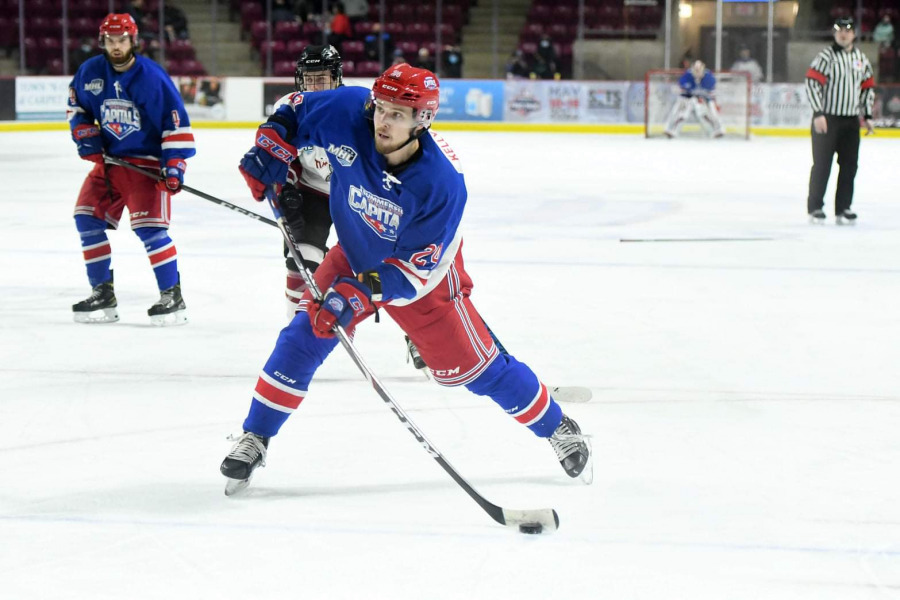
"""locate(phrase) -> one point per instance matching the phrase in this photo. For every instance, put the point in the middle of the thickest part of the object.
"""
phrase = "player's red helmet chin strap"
(410, 86)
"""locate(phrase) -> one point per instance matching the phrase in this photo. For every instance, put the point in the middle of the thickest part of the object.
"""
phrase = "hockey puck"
(531, 528)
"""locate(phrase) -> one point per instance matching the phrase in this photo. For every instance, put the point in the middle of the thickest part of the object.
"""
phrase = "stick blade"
(546, 517)
(571, 394)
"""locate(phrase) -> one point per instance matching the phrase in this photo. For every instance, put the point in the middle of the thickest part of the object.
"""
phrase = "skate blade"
(846, 222)
(571, 394)
(103, 315)
(179, 317)
(587, 475)
(236, 486)
(816, 221)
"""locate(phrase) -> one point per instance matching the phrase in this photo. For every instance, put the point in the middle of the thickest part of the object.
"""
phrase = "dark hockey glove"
(344, 301)
(89, 142)
(291, 201)
(267, 162)
(172, 176)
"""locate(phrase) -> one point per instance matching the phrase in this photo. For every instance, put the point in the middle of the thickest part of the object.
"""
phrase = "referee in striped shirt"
(840, 86)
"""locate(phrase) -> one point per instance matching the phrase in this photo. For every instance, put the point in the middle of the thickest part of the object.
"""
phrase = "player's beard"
(121, 60)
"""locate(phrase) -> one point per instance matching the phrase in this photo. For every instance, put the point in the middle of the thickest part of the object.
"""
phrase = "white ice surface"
(745, 421)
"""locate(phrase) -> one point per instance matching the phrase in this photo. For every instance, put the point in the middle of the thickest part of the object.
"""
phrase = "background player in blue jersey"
(126, 106)
(698, 88)
(397, 197)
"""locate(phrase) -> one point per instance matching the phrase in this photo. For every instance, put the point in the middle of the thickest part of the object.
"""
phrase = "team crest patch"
(345, 155)
(382, 215)
(120, 117)
(95, 87)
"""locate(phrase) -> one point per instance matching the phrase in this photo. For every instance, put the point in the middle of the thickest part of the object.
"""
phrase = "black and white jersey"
(840, 82)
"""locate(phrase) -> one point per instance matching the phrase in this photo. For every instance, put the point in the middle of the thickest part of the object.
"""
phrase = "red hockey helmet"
(119, 24)
(410, 86)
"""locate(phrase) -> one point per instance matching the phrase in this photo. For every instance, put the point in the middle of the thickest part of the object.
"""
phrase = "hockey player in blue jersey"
(397, 197)
(126, 106)
(698, 88)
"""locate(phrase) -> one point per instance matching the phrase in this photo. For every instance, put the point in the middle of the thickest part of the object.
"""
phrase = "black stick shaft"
(491, 509)
(117, 161)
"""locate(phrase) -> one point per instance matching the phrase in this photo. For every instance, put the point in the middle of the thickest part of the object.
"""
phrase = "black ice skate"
(817, 216)
(848, 217)
(572, 449)
(99, 307)
(248, 453)
(169, 309)
(412, 353)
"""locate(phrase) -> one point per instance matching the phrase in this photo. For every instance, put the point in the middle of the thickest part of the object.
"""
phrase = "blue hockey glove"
(89, 142)
(267, 162)
(344, 301)
(173, 176)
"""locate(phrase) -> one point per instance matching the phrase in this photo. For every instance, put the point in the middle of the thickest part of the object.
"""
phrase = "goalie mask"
(318, 68)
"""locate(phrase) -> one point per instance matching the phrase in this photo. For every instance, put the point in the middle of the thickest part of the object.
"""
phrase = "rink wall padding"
(588, 107)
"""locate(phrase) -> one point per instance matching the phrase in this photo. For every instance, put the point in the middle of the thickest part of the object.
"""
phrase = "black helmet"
(318, 58)
(844, 23)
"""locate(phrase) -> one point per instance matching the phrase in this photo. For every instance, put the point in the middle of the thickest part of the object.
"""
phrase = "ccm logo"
(446, 373)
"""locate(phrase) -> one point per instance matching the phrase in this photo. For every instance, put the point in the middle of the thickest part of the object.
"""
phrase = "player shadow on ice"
(258, 492)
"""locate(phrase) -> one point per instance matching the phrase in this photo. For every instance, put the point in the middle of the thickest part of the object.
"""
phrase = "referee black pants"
(842, 138)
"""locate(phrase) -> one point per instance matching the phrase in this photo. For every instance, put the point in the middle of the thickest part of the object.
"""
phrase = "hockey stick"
(561, 393)
(116, 161)
(531, 520)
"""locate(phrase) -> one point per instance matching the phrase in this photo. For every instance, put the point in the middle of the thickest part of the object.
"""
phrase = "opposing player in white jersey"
(304, 198)
(698, 88)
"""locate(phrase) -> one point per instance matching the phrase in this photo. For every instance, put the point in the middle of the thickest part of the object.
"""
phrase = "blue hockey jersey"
(399, 221)
(690, 87)
(140, 113)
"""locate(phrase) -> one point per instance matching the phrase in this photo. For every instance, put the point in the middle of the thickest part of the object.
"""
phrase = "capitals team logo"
(95, 87)
(380, 214)
(345, 155)
(120, 117)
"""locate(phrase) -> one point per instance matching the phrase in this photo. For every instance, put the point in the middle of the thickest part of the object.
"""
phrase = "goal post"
(732, 94)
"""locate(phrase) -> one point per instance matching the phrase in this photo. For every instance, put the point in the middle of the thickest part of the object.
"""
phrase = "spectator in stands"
(340, 27)
(371, 44)
(453, 62)
(542, 70)
(748, 64)
(399, 59)
(547, 52)
(82, 53)
(138, 12)
(884, 32)
(424, 60)
(175, 23)
(283, 11)
(517, 66)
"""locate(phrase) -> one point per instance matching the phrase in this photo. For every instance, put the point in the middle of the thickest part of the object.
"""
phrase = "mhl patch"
(120, 117)
(382, 215)
(95, 87)
(345, 155)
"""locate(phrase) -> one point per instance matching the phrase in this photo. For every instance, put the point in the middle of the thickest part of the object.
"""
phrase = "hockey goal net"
(732, 97)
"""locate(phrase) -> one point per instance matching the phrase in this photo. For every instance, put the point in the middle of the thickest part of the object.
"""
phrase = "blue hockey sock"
(285, 378)
(518, 391)
(95, 247)
(163, 256)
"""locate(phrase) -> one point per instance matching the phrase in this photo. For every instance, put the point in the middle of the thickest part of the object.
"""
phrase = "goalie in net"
(697, 101)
